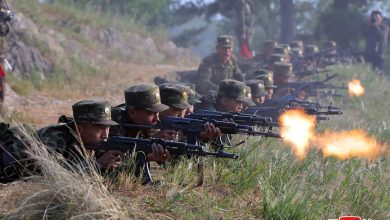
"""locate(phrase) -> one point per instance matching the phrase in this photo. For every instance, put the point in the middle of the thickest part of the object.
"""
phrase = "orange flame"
(355, 88)
(297, 130)
(348, 144)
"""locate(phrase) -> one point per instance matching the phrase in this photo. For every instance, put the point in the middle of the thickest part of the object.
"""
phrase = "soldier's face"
(270, 93)
(92, 134)
(189, 110)
(175, 112)
(143, 116)
(224, 53)
(231, 105)
(258, 100)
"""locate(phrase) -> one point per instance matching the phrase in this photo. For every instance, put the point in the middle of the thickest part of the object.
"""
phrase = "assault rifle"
(144, 146)
(194, 124)
(280, 106)
(239, 118)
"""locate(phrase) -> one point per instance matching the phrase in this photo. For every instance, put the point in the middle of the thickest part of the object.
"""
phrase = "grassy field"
(266, 182)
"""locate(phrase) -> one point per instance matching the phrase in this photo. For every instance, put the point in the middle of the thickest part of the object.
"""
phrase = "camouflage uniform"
(63, 138)
(282, 73)
(212, 71)
(376, 44)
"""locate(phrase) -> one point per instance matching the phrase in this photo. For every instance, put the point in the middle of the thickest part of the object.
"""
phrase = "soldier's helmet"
(268, 81)
(257, 87)
(276, 58)
(92, 111)
(175, 96)
(236, 90)
(280, 50)
(297, 44)
(144, 96)
(330, 45)
(287, 47)
(282, 69)
(310, 49)
(225, 41)
(269, 45)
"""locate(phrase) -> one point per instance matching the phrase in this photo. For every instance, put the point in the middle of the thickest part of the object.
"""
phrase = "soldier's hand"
(169, 135)
(210, 131)
(158, 154)
(110, 159)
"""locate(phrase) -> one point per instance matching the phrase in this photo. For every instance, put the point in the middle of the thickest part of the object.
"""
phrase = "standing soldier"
(218, 66)
(376, 40)
(245, 27)
(5, 17)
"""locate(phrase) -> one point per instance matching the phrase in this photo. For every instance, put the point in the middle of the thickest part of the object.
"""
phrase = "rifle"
(194, 124)
(144, 146)
(305, 73)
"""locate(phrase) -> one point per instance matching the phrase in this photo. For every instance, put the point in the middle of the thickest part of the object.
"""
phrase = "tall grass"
(75, 192)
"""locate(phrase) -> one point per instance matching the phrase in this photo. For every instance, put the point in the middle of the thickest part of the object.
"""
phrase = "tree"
(287, 26)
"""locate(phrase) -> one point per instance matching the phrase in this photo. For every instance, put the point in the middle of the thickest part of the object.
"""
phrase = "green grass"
(269, 182)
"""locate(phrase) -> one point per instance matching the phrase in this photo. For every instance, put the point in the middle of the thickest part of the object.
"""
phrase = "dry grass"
(60, 193)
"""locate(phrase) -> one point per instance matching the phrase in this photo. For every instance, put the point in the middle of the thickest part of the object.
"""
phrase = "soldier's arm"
(238, 75)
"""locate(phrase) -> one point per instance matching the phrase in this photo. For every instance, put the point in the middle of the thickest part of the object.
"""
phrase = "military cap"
(260, 72)
(297, 44)
(276, 58)
(298, 52)
(257, 87)
(233, 89)
(280, 50)
(309, 49)
(268, 81)
(269, 44)
(193, 97)
(91, 111)
(288, 48)
(225, 41)
(330, 44)
(282, 68)
(174, 95)
(144, 96)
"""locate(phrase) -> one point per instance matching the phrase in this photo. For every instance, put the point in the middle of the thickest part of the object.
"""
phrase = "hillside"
(67, 54)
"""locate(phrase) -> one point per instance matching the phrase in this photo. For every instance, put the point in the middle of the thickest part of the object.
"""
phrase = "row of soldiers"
(141, 116)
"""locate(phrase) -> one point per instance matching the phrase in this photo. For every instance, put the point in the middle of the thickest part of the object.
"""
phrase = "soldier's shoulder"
(57, 135)
(212, 58)
(208, 102)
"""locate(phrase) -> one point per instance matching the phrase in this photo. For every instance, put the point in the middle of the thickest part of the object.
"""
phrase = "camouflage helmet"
(268, 81)
(330, 44)
(297, 44)
(174, 96)
(257, 87)
(287, 47)
(144, 96)
(92, 111)
(297, 52)
(260, 72)
(310, 49)
(225, 41)
(233, 89)
(280, 50)
(276, 58)
(269, 44)
(282, 69)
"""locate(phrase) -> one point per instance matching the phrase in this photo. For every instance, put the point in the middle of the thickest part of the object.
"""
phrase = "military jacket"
(211, 71)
